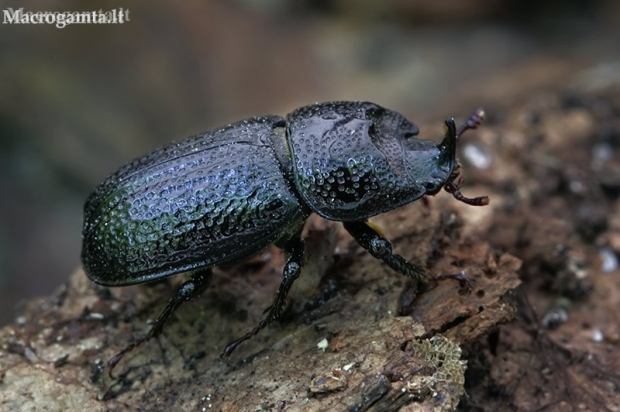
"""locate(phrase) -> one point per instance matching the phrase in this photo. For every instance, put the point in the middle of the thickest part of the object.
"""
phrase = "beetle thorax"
(349, 160)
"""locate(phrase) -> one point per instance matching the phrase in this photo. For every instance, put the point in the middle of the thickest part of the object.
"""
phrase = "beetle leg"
(295, 249)
(190, 289)
(381, 248)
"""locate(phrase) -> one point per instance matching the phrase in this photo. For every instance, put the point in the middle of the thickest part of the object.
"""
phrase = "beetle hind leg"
(190, 289)
(295, 249)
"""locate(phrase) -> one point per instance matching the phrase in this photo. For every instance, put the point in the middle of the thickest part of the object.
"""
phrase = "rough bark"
(385, 344)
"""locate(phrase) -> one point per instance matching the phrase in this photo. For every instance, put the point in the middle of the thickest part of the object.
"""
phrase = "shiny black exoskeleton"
(223, 195)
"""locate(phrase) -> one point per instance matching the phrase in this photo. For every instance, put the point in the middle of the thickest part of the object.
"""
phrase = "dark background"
(77, 103)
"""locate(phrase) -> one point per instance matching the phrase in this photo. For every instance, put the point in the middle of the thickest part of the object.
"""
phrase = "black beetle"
(222, 195)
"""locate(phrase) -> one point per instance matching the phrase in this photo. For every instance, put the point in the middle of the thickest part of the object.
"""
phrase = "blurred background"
(77, 103)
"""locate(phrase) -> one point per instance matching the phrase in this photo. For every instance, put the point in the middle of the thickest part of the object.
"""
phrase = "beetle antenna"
(454, 188)
(473, 122)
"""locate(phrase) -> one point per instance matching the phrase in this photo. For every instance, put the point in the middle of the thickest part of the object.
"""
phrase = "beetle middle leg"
(295, 249)
(381, 248)
(190, 289)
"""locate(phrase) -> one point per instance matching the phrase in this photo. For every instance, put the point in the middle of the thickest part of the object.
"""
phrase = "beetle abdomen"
(213, 198)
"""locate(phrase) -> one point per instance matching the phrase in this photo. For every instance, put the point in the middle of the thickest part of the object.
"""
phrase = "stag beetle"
(220, 196)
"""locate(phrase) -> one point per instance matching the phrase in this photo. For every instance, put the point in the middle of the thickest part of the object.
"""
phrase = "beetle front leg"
(295, 249)
(190, 289)
(381, 248)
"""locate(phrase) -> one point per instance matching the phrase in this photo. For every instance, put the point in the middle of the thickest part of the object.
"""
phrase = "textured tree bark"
(357, 336)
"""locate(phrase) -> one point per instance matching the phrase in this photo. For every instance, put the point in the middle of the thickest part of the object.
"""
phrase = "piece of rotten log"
(364, 338)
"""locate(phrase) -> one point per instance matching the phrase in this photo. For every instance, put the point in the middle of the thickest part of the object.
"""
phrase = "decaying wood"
(357, 336)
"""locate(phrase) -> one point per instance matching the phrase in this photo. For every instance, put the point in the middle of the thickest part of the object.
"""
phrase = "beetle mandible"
(220, 196)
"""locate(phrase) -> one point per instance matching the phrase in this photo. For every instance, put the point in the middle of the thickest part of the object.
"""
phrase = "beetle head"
(435, 165)
(429, 164)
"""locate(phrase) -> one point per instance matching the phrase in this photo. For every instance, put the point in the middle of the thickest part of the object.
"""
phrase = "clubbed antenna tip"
(473, 122)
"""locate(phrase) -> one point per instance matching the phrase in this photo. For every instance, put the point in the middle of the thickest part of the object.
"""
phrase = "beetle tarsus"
(464, 281)
(454, 188)
(230, 348)
(295, 249)
(190, 289)
(117, 358)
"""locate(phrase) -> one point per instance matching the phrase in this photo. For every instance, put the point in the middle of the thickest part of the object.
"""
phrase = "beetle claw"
(465, 282)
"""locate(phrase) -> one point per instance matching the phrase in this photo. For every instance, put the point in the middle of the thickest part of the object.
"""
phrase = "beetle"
(223, 195)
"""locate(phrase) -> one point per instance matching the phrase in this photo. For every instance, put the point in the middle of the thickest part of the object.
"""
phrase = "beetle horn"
(447, 147)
